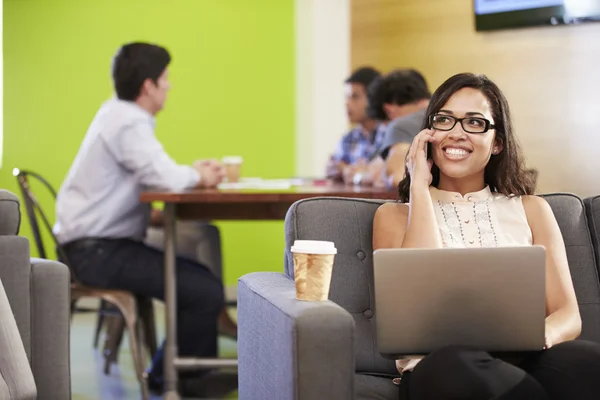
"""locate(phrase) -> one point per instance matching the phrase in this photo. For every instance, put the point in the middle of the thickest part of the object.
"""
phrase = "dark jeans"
(567, 371)
(133, 266)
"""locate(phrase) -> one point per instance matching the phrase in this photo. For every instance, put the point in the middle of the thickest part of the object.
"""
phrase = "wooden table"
(210, 204)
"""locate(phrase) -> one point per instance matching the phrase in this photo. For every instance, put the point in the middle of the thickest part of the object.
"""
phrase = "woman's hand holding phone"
(417, 164)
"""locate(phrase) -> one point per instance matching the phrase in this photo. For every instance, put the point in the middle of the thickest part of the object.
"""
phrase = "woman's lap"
(565, 371)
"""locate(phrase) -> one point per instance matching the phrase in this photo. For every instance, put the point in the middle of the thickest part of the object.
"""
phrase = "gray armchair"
(592, 208)
(38, 294)
(294, 350)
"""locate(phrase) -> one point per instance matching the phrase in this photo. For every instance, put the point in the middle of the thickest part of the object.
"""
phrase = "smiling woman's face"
(457, 153)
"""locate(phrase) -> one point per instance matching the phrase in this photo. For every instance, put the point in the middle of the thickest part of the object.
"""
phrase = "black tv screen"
(504, 14)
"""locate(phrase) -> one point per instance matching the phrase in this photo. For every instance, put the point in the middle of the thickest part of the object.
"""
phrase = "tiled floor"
(88, 381)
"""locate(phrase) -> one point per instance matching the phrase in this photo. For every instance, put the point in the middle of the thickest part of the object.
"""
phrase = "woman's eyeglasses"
(443, 122)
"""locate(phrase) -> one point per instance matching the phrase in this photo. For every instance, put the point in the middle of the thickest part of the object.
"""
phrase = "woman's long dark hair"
(505, 173)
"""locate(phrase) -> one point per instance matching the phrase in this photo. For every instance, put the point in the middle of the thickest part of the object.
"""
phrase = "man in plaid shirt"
(359, 146)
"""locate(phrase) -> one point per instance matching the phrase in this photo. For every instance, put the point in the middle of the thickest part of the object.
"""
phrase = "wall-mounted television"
(506, 14)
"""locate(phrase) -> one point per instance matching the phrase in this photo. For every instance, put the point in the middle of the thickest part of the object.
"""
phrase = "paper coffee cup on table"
(313, 266)
(233, 166)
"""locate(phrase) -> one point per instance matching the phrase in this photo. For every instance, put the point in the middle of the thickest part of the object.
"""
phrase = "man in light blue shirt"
(101, 224)
(357, 148)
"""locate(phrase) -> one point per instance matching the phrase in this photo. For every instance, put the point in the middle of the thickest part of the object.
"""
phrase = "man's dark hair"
(505, 173)
(133, 64)
(364, 76)
(402, 86)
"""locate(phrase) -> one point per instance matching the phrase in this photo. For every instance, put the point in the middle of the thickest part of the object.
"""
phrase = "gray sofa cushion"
(15, 274)
(16, 378)
(368, 387)
(348, 223)
(38, 294)
(592, 211)
(571, 217)
(50, 329)
(10, 215)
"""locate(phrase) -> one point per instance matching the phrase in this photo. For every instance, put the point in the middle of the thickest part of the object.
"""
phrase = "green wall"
(232, 91)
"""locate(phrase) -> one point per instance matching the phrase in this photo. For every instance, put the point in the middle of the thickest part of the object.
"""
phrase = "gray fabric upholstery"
(571, 217)
(592, 329)
(50, 329)
(38, 293)
(369, 387)
(15, 274)
(289, 349)
(348, 223)
(10, 217)
(266, 331)
(16, 378)
(592, 211)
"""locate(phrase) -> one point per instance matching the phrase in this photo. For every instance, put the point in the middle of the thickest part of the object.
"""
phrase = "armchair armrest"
(290, 349)
(50, 323)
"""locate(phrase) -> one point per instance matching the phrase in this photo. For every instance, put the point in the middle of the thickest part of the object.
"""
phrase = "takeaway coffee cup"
(313, 265)
(232, 165)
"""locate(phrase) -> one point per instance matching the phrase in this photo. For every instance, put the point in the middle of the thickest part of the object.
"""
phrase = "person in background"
(399, 100)
(358, 147)
(101, 223)
(467, 163)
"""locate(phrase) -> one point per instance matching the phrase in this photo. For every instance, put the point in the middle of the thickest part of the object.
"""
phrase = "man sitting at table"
(101, 223)
(357, 148)
(399, 99)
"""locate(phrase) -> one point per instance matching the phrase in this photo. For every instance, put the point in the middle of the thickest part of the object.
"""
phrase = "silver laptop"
(491, 298)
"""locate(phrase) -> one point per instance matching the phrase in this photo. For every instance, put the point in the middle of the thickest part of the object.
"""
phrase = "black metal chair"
(136, 311)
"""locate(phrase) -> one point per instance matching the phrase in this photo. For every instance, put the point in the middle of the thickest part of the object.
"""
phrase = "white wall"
(322, 64)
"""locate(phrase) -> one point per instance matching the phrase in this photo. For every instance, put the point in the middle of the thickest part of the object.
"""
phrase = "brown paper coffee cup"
(313, 267)
(233, 166)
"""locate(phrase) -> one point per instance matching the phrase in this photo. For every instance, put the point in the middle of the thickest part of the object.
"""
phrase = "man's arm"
(137, 150)
(337, 162)
(395, 164)
(371, 173)
(334, 169)
(394, 148)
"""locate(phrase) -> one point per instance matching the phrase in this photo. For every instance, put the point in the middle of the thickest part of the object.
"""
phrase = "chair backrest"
(348, 223)
(592, 210)
(37, 217)
(10, 214)
(15, 300)
(15, 269)
(571, 217)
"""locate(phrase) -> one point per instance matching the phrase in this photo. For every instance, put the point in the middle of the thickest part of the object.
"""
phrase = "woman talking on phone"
(466, 186)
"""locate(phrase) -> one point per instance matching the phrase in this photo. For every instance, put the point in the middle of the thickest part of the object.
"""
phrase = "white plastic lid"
(313, 247)
(232, 160)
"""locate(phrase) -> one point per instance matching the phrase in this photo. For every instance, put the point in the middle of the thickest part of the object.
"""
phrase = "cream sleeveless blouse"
(479, 219)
